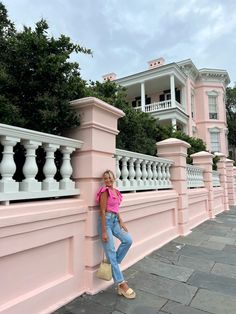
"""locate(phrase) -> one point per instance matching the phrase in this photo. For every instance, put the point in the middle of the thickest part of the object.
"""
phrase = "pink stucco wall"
(41, 255)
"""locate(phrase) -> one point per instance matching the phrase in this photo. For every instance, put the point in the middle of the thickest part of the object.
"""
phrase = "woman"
(109, 224)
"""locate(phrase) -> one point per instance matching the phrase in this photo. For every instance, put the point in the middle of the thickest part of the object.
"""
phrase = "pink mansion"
(190, 99)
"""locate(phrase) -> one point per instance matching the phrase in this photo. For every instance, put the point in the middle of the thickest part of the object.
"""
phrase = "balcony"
(161, 106)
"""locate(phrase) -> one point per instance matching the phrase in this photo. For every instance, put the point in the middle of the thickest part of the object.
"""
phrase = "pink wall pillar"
(98, 130)
(230, 181)
(204, 160)
(176, 150)
(221, 167)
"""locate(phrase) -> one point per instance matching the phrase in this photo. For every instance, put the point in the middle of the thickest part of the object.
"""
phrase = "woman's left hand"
(123, 226)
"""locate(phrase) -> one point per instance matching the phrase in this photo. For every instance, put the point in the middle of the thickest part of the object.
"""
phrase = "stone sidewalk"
(190, 275)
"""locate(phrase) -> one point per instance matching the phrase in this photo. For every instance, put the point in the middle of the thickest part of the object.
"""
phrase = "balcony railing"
(135, 172)
(215, 178)
(29, 187)
(194, 177)
(160, 106)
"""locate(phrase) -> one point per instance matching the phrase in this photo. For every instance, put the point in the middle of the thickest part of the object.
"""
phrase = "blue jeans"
(115, 257)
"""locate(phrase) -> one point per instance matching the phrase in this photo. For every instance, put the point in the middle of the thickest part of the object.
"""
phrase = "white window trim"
(213, 93)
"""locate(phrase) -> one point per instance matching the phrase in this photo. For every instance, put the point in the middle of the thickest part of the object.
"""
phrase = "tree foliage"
(37, 80)
(231, 114)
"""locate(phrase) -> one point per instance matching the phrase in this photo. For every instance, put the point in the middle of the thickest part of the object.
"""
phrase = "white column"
(7, 165)
(66, 170)
(143, 96)
(30, 167)
(49, 169)
(183, 98)
(173, 122)
(172, 90)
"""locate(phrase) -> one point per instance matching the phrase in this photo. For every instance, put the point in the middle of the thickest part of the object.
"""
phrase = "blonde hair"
(110, 174)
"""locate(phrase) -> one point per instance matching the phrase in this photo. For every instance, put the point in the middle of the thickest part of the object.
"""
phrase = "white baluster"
(168, 175)
(30, 168)
(132, 172)
(66, 169)
(144, 172)
(160, 174)
(49, 169)
(118, 172)
(155, 174)
(164, 174)
(150, 173)
(7, 166)
(125, 172)
(138, 172)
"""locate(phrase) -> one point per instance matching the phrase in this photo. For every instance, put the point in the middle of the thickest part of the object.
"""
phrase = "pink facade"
(183, 96)
(50, 250)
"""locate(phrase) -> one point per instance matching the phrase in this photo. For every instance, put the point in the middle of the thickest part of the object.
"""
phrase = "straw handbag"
(104, 270)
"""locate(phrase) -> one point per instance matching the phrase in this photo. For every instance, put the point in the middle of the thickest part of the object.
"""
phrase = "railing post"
(204, 160)
(176, 150)
(230, 181)
(98, 130)
(7, 165)
(30, 167)
(221, 166)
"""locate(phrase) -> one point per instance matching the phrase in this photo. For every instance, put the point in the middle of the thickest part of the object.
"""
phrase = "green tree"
(37, 80)
(231, 114)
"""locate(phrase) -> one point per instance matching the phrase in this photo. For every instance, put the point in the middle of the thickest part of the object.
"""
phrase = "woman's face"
(108, 179)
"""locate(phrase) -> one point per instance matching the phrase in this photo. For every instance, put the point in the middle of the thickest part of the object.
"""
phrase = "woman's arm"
(103, 206)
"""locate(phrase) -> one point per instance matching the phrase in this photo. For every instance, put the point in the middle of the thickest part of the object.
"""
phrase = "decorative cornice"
(189, 69)
(212, 75)
(203, 75)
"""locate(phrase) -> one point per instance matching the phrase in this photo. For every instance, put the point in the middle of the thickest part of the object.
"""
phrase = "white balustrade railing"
(194, 177)
(29, 187)
(156, 106)
(136, 172)
(160, 105)
(215, 178)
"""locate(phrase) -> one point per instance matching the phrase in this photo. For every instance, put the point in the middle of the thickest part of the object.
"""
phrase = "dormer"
(156, 63)
(109, 77)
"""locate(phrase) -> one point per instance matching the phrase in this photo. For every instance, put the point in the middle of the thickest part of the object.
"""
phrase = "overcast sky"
(125, 34)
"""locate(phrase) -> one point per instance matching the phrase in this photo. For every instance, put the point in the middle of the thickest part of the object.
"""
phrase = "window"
(215, 143)
(212, 104)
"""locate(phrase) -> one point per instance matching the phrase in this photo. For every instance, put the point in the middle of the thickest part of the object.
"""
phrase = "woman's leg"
(126, 241)
(110, 252)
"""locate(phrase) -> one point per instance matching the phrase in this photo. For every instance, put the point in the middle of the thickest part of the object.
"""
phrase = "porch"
(162, 92)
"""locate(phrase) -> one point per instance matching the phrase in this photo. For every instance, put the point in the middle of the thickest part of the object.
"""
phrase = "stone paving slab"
(177, 308)
(214, 302)
(224, 270)
(213, 282)
(221, 239)
(210, 254)
(230, 248)
(200, 264)
(213, 245)
(150, 265)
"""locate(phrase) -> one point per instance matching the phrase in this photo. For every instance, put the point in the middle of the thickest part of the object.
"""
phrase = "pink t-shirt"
(113, 201)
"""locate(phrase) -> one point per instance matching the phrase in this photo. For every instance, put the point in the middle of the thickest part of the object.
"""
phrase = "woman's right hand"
(104, 237)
